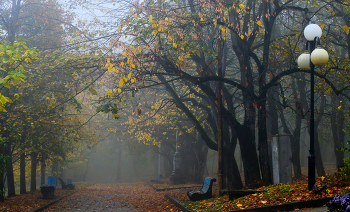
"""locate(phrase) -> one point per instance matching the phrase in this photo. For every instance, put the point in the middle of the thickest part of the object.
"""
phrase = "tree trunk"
(119, 164)
(232, 174)
(2, 186)
(22, 186)
(337, 125)
(263, 145)
(33, 157)
(318, 155)
(9, 172)
(295, 136)
(249, 156)
(43, 168)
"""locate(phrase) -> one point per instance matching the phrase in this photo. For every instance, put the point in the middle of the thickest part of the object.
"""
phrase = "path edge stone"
(50, 203)
(177, 203)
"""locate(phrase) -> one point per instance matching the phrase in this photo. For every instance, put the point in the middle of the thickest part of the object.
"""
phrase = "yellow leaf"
(339, 107)
(101, 82)
(239, 205)
(322, 25)
(109, 92)
(108, 60)
(258, 23)
(119, 29)
(132, 80)
(135, 16)
(119, 90)
(121, 82)
(125, 80)
(131, 10)
(179, 58)
(242, 37)
(322, 178)
(174, 45)
(150, 19)
(28, 60)
(132, 65)
(263, 202)
(129, 75)
(124, 54)
(241, 6)
(122, 64)
(223, 30)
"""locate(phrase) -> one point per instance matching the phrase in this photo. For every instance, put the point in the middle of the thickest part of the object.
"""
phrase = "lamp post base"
(311, 172)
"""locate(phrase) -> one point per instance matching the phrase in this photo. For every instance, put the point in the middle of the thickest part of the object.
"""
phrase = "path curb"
(49, 203)
(177, 203)
(285, 207)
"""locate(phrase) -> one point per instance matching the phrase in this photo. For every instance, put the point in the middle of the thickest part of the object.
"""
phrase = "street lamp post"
(307, 61)
(176, 176)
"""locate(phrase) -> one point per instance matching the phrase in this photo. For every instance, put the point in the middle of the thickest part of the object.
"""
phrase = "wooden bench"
(234, 194)
(205, 192)
(68, 185)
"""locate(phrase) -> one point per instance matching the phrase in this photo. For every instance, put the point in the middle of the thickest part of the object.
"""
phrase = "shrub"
(339, 203)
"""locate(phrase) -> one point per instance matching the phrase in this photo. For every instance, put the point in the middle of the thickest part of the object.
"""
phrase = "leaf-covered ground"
(119, 197)
(132, 197)
(29, 201)
(99, 197)
(274, 195)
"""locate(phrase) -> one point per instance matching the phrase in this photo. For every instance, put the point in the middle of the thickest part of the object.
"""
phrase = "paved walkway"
(90, 200)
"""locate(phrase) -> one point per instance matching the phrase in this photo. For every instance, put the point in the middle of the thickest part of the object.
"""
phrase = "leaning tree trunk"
(33, 159)
(9, 172)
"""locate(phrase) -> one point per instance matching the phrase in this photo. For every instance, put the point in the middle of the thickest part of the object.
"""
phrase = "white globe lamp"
(304, 61)
(311, 31)
(319, 57)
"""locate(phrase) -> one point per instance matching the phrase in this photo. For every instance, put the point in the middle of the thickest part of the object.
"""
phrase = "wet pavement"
(90, 200)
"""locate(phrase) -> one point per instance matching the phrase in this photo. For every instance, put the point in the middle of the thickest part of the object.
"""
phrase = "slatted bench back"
(51, 180)
(206, 185)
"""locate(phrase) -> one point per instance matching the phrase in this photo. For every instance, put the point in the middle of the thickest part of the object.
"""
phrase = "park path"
(92, 198)
(129, 197)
